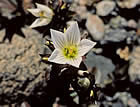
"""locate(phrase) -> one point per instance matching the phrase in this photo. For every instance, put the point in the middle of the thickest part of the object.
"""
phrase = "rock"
(134, 69)
(118, 22)
(124, 53)
(138, 33)
(128, 3)
(82, 12)
(21, 70)
(68, 1)
(138, 28)
(102, 71)
(138, 24)
(132, 23)
(86, 2)
(83, 2)
(133, 102)
(105, 7)
(27, 4)
(95, 27)
(120, 99)
(118, 104)
(123, 96)
(117, 35)
(127, 99)
(93, 105)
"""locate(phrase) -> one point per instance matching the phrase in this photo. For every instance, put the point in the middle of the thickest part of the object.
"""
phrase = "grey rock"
(117, 35)
(122, 96)
(105, 7)
(86, 2)
(138, 24)
(117, 104)
(21, 70)
(120, 99)
(95, 26)
(133, 102)
(128, 3)
(98, 60)
(68, 1)
(94, 105)
(118, 22)
(82, 12)
(126, 99)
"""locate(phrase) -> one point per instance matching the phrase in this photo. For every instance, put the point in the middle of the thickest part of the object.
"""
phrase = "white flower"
(69, 48)
(43, 13)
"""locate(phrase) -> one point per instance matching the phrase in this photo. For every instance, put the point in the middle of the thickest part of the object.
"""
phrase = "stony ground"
(20, 67)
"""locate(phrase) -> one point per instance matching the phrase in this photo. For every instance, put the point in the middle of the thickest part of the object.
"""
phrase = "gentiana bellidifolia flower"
(69, 48)
(43, 13)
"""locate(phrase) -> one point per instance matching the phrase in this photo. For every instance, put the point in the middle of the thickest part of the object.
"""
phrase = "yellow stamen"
(49, 42)
(65, 30)
(45, 58)
(63, 6)
(91, 93)
(52, 43)
(70, 52)
(42, 14)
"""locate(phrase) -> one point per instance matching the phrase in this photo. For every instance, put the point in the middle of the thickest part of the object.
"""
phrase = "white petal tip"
(29, 10)
(31, 27)
(76, 65)
(94, 43)
(37, 4)
(52, 30)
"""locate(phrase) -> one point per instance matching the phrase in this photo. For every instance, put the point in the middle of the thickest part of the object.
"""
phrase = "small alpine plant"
(69, 48)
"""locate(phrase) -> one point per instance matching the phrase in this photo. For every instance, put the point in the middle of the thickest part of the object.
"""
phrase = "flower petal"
(57, 57)
(84, 46)
(35, 12)
(40, 22)
(44, 8)
(75, 62)
(73, 34)
(58, 39)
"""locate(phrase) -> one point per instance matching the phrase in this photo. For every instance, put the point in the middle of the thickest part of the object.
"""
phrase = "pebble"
(120, 99)
(105, 7)
(138, 32)
(118, 22)
(124, 53)
(83, 2)
(132, 23)
(134, 68)
(86, 2)
(95, 26)
(116, 35)
(128, 3)
(101, 73)
(82, 12)
(133, 102)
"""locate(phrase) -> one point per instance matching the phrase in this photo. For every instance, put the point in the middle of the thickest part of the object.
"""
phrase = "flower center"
(70, 52)
(42, 14)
